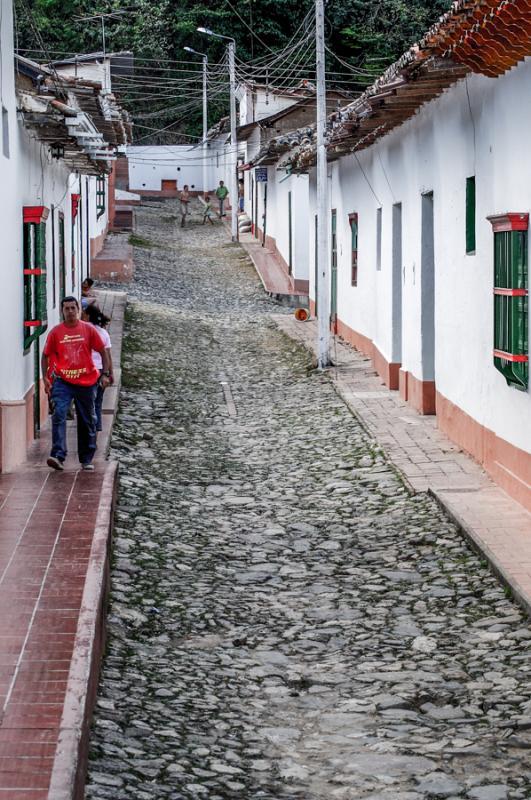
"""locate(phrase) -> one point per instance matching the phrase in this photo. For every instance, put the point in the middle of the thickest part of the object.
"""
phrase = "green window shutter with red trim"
(34, 271)
(511, 346)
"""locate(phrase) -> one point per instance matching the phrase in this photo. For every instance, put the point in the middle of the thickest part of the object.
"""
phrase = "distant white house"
(59, 136)
(163, 170)
(428, 208)
(277, 200)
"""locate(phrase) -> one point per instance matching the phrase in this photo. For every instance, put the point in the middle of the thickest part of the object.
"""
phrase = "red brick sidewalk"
(54, 539)
(270, 270)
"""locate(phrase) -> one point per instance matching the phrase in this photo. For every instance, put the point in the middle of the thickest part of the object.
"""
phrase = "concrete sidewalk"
(270, 270)
(55, 535)
(496, 525)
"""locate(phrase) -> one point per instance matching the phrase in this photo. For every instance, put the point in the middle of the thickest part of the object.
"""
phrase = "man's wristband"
(106, 374)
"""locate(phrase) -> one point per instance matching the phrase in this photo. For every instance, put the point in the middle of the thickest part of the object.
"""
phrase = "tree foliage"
(369, 34)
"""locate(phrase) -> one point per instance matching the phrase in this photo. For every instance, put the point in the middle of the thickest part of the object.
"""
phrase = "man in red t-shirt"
(68, 350)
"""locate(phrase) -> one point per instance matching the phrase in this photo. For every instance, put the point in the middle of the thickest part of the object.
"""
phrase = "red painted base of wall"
(16, 427)
(115, 260)
(508, 465)
(162, 193)
(298, 285)
(388, 371)
(96, 244)
(419, 394)
(174, 192)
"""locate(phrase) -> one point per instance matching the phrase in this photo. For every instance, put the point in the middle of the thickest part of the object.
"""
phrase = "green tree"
(368, 34)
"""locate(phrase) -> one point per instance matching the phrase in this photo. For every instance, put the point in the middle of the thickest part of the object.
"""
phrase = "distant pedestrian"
(96, 317)
(185, 201)
(222, 194)
(69, 349)
(241, 195)
(207, 214)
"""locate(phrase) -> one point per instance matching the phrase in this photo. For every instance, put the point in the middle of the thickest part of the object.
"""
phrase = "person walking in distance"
(69, 348)
(207, 214)
(222, 194)
(185, 202)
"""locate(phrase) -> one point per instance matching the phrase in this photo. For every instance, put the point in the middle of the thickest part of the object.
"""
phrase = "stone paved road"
(286, 621)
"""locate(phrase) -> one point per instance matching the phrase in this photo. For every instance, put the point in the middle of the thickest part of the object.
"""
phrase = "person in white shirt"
(96, 317)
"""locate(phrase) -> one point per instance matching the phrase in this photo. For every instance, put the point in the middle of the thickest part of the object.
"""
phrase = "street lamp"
(233, 140)
(205, 113)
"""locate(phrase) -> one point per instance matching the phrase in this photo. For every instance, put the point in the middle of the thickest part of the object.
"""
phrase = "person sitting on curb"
(222, 194)
(87, 294)
(69, 348)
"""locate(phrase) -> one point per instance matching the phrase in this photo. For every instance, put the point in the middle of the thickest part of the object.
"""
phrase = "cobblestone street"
(286, 620)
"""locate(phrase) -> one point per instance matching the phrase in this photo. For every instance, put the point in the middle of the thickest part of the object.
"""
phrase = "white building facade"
(54, 217)
(428, 204)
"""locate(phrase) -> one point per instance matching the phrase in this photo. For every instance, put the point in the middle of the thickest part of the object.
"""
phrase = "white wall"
(150, 165)
(30, 177)
(98, 71)
(259, 104)
(446, 142)
(280, 185)
(42, 181)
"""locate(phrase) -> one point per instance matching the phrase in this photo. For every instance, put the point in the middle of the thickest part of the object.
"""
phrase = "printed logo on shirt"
(73, 374)
(76, 337)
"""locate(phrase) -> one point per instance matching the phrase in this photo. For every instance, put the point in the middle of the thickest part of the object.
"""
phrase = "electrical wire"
(234, 11)
(366, 178)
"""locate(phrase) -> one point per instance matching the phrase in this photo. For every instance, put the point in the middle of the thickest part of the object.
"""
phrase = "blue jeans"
(84, 397)
(98, 403)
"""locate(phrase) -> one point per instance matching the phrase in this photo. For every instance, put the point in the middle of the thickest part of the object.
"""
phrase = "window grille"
(34, 271)
(511, 352)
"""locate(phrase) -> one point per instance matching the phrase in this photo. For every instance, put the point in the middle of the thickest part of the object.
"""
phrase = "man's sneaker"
(55, 463)
(88, 467)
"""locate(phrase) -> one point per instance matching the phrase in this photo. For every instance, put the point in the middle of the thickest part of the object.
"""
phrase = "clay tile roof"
(483, 36)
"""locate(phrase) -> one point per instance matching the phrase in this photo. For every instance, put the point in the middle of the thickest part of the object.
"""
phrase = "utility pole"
(205, 114)
(323, 270)
(233, 154)
(205, 126)
(233, 161)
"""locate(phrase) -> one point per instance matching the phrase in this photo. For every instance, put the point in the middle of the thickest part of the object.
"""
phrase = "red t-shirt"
(70, 351)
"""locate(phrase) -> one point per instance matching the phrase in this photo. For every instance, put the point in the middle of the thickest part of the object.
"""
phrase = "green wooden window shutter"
(353, 222)
(100, 196)
(35, 289)
(511, 351)
(471, 215)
